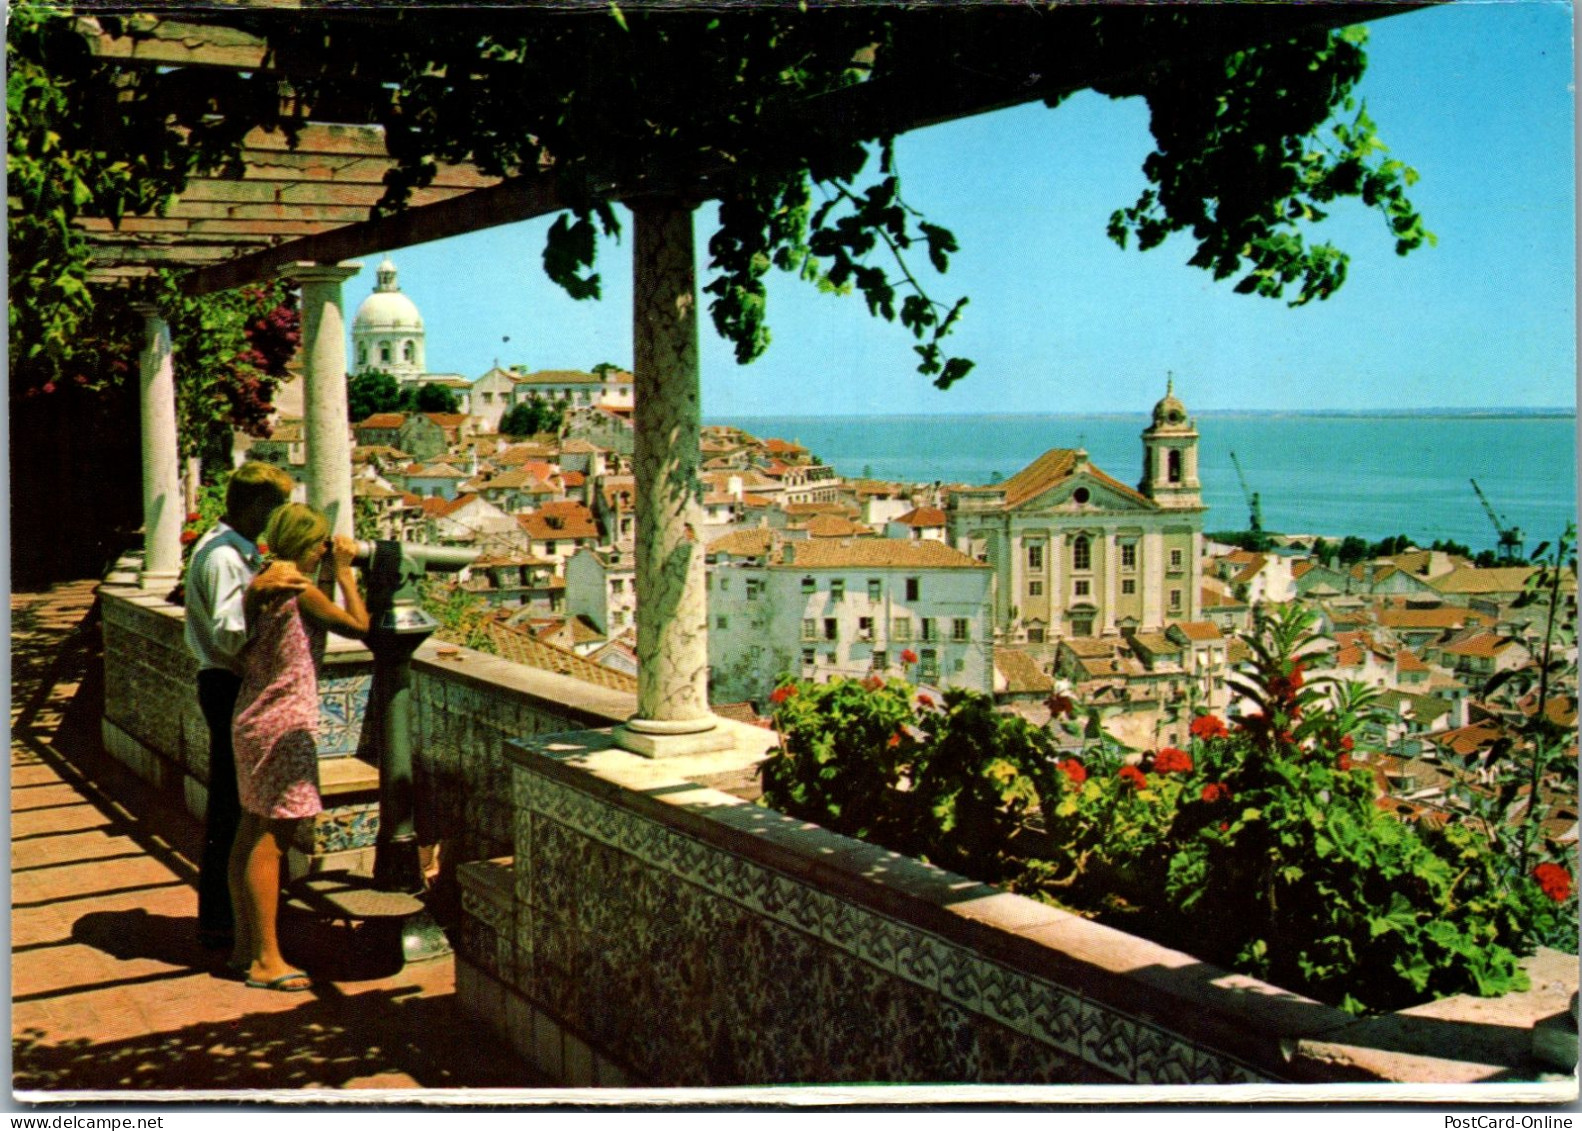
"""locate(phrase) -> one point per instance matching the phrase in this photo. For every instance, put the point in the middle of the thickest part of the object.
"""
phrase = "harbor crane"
(1510, 543)
(1254, 507)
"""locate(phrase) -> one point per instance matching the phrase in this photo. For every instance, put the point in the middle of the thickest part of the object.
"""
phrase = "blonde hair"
(294, 529)
(254, 483)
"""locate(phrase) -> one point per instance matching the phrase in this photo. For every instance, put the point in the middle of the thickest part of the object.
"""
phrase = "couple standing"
(258, 633)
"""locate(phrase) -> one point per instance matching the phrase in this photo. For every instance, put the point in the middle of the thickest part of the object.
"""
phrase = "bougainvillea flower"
(782, 693)
(1208, 726)
(908, 656)
(1133, 776)
(1216, 791)
(1172, 761)
(1073, 769)
(1554, 880)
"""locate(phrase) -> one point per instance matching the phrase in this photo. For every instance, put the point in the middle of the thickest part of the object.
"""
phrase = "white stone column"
(673, 715)
(324, 394)
(1112, 556)
(162, 509)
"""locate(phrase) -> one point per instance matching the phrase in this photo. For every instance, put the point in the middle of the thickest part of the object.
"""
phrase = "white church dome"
(387, 308)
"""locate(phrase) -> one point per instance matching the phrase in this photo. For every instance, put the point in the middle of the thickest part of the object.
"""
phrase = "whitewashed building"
(601, 585)
(850, 607)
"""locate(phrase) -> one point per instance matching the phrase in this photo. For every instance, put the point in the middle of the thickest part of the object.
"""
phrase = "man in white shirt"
(224, 562)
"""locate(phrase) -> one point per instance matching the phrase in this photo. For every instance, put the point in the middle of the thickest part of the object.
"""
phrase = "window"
(617, 585)
(1175, 561)
(928, 629)
(809, 628)
(722, 621)
(1082, 626)
(549, 547)
(901, 628)
(1128, 555)
(407, 353)
(808, 585)
(1035, 555)
(1081, 553)
(960, 629)
(837, 589)
(1035, 588)
(864, 628)
(362, 355)
(1175, 600)
(831, 629)
(912, 587)
(875, 589)
(725, 583)
(928, 665)
(1173, 465)
(808, 657)
(754, 587)
(488, 398)
(384, 351)
(1082, 588)
(1035, 636)
(880, 660)
(1128, 586)
(961, 664)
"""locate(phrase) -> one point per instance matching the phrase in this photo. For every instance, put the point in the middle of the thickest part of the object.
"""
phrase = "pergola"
(305, 210)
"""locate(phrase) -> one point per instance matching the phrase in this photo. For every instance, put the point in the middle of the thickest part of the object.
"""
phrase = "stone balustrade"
(625, 922)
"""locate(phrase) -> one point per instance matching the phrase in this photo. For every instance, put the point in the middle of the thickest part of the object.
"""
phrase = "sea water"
(1373, 475)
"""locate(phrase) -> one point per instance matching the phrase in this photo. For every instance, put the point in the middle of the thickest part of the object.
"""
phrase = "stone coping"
(1289, 1036)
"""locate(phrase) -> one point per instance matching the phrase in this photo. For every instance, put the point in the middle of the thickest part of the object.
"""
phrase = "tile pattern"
(345, 827)
(698, 967)
(343, 705)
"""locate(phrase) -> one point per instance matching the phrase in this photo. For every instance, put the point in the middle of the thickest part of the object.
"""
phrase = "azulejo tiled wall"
(692, 965)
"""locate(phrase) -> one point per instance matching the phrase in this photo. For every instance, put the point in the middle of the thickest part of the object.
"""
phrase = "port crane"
(1510, 543)
(1254, 507)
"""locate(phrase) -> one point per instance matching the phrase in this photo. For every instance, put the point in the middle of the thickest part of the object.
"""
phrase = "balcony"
(630, 922)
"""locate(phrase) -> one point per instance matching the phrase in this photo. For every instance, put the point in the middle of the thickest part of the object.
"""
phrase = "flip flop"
(279, 984)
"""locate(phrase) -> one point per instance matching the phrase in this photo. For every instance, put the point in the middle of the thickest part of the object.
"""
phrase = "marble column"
(324, 393)
(673, 713)
(162, 503)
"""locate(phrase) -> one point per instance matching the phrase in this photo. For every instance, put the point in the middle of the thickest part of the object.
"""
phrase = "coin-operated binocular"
(392, 572)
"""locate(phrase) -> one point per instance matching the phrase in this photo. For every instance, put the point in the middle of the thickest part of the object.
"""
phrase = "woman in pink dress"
(275, 729)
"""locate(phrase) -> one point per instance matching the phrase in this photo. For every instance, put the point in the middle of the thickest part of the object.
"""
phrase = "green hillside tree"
(372, 392)
(532, 416)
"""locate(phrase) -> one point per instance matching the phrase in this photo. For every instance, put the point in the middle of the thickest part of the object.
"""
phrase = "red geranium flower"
(1296, 676)
(1073, 769)
(925, 700)
(908, 656)
(872, 683)
(1172, 761)
(1216, 791)
(782, 693)
(1208, 726)
(193, 516)
(1343, 763)
(1224, 826)
(1346, 743)
(1134, 776)
(1554, 880)
(895, 740)
(188, 537)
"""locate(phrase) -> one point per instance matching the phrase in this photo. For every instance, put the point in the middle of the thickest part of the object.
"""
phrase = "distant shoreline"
(1557, 413)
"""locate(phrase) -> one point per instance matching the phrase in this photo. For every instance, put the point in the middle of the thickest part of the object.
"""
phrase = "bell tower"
(1170, 455)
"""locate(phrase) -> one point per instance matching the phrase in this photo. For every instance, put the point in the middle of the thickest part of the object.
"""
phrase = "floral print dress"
(275, 727)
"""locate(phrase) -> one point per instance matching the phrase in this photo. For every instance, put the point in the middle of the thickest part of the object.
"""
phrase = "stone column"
(324, 393)
(162, 509)
(673, 713)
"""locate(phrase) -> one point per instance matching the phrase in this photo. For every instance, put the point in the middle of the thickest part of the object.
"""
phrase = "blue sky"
(1475, 96)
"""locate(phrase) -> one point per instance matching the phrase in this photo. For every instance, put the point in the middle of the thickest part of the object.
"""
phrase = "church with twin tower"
(1077, 552)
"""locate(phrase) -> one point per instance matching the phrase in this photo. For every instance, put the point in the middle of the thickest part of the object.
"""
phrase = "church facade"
(387, 331)
(1077, 553)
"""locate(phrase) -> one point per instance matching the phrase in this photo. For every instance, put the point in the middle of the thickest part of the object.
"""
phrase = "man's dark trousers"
(217, 693)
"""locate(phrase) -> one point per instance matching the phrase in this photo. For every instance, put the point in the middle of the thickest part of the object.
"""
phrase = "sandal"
(280, 983)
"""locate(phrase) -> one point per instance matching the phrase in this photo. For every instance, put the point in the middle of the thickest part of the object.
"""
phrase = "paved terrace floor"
(110, 991)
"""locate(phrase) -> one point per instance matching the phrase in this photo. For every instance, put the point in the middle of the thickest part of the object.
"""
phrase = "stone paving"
(110, 991)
